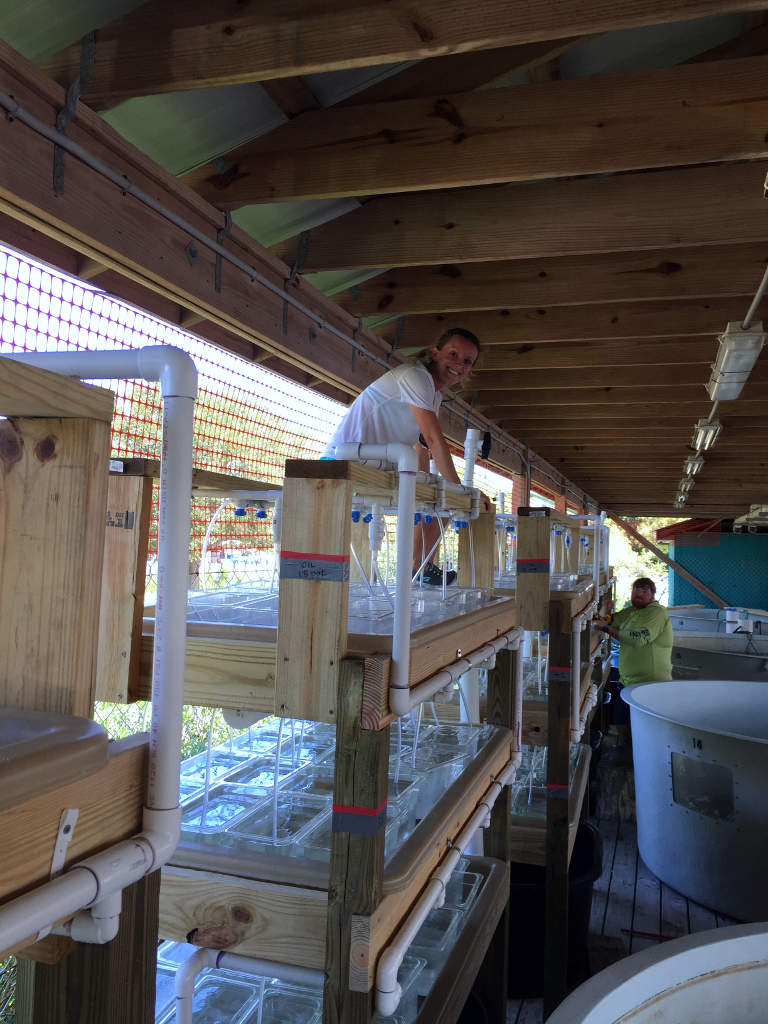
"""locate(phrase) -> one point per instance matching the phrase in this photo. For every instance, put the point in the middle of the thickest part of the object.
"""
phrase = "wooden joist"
(112, 229)
(165, 47)
(691, 114)
(668, 209)
(654, 274)
(613, 320)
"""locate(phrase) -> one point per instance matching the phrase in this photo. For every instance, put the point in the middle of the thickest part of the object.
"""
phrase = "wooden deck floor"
(631, 910)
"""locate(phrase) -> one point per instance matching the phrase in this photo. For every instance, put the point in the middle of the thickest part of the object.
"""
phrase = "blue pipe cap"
(261, 513)
(367, 517)
(240, 512)
(428, 519)
(355, 515)
(416, 518)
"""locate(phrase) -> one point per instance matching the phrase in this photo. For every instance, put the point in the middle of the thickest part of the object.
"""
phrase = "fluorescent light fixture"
(692, 465)
(680, 501)
(685, 485)
(705, 433)
(736, 356)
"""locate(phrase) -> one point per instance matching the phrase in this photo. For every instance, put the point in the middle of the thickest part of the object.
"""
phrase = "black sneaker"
(433, 576)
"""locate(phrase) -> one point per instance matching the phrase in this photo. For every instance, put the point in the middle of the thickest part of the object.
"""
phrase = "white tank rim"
(630, 983)
(632, 695)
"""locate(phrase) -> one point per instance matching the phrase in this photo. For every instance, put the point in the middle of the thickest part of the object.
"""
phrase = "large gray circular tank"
(701, 766)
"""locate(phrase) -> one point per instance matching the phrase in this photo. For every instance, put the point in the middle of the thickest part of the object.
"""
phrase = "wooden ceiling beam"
(620, 321)
(692, 395)
(669, 117)
(486, 382)
(464, 71)
(612, 277)
(113, 228)
(718, 205)
(168, 45)
(589, 354)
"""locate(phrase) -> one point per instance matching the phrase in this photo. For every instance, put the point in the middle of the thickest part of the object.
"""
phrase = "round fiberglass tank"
(700, 750)
(711, 977)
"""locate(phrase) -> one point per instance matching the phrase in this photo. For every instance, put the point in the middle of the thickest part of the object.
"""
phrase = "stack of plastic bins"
(239, 811)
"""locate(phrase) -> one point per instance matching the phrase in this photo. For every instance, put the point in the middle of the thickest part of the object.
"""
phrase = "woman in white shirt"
(403, 405)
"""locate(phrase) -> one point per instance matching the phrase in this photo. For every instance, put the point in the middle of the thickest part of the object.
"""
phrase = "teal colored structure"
(734, 565)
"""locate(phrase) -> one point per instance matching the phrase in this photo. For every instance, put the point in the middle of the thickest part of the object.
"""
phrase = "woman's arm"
(429, 426)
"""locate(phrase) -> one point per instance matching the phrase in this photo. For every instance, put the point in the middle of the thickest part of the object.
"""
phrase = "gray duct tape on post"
(67, 112)
(301, 258)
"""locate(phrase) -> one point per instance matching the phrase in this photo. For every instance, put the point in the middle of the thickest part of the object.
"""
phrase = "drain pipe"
(452, 673)
(189, 969)
(407, 466)
(388, 990)
(97, 878)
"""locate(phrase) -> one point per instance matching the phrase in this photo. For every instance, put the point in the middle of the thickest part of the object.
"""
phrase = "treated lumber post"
(53, 495)
(314, 589)
(562, 676)
(129, 512)
(533, 567)
(114, 982)
(357, 853)
(490, 987)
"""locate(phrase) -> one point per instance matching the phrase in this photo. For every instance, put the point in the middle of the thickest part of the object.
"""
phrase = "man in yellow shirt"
(644, 633)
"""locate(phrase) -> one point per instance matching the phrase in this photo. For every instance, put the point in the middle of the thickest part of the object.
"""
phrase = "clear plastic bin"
(296, 813)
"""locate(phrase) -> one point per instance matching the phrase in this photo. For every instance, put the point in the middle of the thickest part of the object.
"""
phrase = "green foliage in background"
(630, 559)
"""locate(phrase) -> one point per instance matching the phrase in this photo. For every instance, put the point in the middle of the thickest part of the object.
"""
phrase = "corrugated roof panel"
(270, 223)
(182, 130)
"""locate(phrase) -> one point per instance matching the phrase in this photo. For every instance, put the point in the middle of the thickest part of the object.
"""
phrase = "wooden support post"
(129, 511)
(314, 594)
(114, 982)
(490, 988)
(562, 676)
(483, 552)
(53, 496)
(533, 567)
(357, 854)
(54, 460)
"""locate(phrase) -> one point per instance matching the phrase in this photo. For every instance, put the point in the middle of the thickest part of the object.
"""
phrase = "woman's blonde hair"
(425, 355)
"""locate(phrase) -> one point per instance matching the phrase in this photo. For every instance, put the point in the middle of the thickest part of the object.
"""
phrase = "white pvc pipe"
(388, 990)
(578, 624)
(110, 871)
(471, 445)
(407, 465)
(403, 701)
(188, 970)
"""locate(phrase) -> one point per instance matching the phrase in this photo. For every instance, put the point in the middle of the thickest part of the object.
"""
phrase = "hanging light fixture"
(737, 354)
(685, 485)
(692, 465)
(705, 433)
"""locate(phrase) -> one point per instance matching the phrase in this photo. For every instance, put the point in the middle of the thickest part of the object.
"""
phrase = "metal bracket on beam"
(301, 257)
(221, 234)
(355, 336)
(67, 112)
(399, 331)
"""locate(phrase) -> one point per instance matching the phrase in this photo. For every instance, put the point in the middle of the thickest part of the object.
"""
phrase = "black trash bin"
(526, 915)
